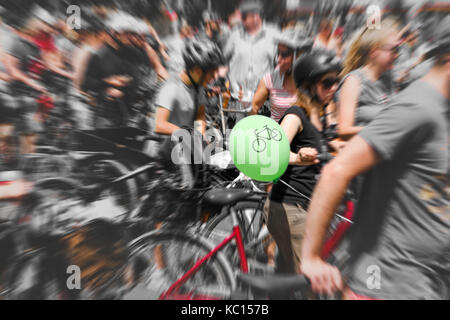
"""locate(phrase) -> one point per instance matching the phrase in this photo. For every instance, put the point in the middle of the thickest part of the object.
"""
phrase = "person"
(113, 74)
(250, 49)
(179, 102)
(336, 42)
(399, 244)
(24, 65)
(316, 77)
(322, 40)
(365, 86)
(175, 46)
(279, 85)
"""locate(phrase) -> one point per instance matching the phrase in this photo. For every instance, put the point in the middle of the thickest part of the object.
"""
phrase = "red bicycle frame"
(342, 228)
(235, 234)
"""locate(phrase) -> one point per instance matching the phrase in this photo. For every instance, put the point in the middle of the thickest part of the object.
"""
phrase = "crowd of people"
(378, 99)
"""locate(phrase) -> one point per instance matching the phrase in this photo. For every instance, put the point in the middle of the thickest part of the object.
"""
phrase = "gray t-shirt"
(399, 244)
(179, 99)
(372, 97)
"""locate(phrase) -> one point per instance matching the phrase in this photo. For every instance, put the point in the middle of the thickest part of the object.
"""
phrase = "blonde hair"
(364, 41)
(305, 102)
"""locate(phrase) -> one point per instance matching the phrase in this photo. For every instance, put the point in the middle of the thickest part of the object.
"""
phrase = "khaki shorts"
(286, 224)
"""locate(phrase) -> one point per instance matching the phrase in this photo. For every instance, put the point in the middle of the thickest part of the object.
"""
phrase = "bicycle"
(259, 144)
(199, 269)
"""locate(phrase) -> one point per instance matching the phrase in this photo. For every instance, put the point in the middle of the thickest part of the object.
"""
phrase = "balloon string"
(343, 218)
(294, 190)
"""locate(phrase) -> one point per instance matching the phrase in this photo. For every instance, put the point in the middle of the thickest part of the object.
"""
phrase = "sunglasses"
(286, 53)
(327, 83)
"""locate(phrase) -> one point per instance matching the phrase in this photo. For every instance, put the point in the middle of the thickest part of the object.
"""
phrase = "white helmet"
(121, 22)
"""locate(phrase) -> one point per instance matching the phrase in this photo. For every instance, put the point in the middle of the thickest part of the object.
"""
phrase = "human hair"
(325, 24)
(364, 41)
(305, 102)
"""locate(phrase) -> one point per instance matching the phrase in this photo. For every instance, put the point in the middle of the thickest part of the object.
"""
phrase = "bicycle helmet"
(202, 53)
(294, 39)
(311, 66)
(251, 6)
(122, 22)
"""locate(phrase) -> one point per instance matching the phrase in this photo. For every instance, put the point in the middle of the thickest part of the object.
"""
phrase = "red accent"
(5, 182)
(45, 101)
(190, 296)
(351, 295)
(25, 219)
(240, 247)
(45, 42)
(336, 238)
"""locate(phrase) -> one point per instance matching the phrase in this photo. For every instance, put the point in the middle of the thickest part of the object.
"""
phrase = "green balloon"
(260, 148)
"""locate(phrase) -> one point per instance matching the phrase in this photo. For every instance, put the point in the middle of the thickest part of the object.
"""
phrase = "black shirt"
(301, 178)
(29, 62)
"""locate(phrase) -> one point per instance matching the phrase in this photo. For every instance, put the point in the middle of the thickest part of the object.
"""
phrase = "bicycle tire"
(214, 279)
(220, 226)
(256, 145)
(277, 136)
(214, 223)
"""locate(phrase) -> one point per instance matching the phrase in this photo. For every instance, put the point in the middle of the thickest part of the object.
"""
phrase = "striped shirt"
(280, 99)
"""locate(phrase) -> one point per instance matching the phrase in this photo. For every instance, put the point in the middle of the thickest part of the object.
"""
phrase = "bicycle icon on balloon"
(263, 135)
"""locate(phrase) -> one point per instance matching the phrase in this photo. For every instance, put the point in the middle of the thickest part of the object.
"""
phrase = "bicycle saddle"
(275, 283)
(224, 197)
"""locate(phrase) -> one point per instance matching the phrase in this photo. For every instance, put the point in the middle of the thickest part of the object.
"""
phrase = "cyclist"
(113, 73)
(400, 241)
(179, 103)
(24, 65)
(316, 77)
(279, 85)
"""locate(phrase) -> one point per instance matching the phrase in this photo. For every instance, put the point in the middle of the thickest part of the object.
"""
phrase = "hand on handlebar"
(324, 278)
(308, 155)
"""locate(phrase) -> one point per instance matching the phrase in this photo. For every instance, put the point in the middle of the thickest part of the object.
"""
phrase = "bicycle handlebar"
(325, 157)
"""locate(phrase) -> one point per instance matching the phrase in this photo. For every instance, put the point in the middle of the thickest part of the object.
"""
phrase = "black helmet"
(310, 67)
(202, 53)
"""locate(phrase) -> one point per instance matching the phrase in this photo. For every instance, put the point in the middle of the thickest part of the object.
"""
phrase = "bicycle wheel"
(251, 222)
(250, 218)
(179, 252)
(276, 135)
(259, 145)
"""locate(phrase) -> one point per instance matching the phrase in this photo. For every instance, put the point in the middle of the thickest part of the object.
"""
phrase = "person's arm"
(292, 125)
(14, 190)
(348, 101)
(355, 159)
(163, 126)
(156, 63)
(259, 98)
